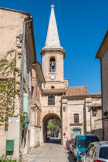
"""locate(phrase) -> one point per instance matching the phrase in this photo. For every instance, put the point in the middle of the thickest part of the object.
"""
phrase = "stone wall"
(11, 31)
(3, 135)
(106, 129)
(58, 82)
(104, 81)
(11, 28)
(69, 108)
(35, 112)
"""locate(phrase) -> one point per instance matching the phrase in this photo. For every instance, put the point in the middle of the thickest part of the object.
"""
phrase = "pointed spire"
(52, 40)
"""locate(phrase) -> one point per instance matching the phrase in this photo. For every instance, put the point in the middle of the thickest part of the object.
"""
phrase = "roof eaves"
(102, 44)
(76, 96)
(8, 9)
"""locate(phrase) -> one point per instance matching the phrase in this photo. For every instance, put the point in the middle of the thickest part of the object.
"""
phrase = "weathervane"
(52, 1)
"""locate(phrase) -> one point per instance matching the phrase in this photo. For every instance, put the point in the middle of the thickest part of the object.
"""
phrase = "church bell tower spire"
(53, 56)
(52, 39)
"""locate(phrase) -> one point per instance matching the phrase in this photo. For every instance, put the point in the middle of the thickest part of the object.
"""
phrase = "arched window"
(51, 100)
(76, 118)
(52, 64)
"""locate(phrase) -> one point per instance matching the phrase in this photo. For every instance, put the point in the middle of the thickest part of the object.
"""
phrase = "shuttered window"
(94, 112)
(51, 100)
(25, 102)
(9, 145)
(76, 118)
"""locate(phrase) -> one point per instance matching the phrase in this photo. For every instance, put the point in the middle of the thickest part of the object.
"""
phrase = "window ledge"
(51, 105)
(75, 124)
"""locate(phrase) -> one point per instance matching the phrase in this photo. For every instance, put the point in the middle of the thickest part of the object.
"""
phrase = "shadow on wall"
(98, 133)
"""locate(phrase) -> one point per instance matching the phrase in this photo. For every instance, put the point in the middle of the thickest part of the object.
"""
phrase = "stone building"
(78, 111)
(81, 113)
(102, 54)
(16, 44)
(36, 110)
(44, 93)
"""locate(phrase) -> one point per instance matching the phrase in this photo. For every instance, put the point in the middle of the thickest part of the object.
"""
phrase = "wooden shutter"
(9, 145)
(25, 102)
(76, 118)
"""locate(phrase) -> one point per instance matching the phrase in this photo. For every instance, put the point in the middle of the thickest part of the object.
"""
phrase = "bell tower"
(53, 56)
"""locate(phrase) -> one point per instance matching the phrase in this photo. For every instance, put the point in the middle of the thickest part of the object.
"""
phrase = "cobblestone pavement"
(49, 152)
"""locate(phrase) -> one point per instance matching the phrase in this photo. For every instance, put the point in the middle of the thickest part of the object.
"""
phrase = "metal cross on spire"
(52, 1)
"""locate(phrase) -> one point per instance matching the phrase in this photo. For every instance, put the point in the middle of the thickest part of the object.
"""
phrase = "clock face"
(52, 77)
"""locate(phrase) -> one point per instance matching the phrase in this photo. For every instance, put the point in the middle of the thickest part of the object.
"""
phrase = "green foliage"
(8, 84)
(105, 114)
(23, 117)
(52, 126)
(5, 159)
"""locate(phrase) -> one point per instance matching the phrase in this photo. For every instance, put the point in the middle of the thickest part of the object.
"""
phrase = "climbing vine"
(8, 84)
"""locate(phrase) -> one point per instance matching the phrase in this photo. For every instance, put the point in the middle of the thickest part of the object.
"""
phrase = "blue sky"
(82, 25)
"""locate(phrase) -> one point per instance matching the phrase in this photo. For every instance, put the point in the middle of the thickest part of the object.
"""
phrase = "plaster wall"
(75, 107)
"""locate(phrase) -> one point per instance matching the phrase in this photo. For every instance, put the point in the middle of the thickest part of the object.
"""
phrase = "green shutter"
(9, 145)
(25, 102)
(30, 81)
(24, 68)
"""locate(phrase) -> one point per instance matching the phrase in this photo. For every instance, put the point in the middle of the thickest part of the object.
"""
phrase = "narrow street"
(49, 152)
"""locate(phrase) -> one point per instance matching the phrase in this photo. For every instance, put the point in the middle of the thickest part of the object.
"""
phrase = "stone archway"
(46, 118)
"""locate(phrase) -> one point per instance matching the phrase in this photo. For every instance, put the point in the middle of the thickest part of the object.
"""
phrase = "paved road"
(50, 152)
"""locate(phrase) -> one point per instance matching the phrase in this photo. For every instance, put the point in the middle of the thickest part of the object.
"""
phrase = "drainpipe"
(23, 46)
(102, 101)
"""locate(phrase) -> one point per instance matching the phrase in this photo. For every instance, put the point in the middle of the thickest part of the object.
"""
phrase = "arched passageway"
(47, 118)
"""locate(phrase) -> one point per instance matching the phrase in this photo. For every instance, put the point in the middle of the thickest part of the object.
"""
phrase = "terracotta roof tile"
(95, 94)
(54, 90)
(76, 91)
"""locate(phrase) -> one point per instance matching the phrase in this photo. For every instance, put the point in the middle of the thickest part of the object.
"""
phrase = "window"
(103, 153)
(51, 100)
(89, 147)
(52, 64)
(76, 118)
(52, 87)
(94, 112)
(91, 151)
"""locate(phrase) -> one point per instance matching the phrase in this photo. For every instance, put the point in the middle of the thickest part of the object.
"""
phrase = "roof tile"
(76, 91)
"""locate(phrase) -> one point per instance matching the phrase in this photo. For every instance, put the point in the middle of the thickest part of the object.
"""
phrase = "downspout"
(23, 47)
(102, 100)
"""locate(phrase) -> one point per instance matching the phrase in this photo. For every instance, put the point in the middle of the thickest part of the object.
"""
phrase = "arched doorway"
(47, 118)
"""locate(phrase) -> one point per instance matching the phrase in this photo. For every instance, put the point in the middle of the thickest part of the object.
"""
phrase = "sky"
(81, 24)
